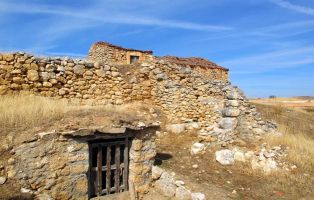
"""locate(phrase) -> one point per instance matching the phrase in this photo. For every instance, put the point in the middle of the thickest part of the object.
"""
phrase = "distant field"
(301, 103)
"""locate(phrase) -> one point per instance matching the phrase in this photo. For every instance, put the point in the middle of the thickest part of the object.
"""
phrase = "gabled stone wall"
(112, 54)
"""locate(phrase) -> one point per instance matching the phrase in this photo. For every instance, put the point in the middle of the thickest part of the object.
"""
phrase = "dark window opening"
(109, 164)
(134, 59)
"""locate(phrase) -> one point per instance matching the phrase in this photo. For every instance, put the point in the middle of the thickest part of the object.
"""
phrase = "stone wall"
(183, 93)
(55, 164)
(112, 54)
(180, 91)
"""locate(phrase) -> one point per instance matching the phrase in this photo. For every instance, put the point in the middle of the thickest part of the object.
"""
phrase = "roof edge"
(102, 43)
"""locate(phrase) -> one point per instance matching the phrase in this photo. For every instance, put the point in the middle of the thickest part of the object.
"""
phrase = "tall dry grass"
(298, 133)
(26, 111)
(20, 112)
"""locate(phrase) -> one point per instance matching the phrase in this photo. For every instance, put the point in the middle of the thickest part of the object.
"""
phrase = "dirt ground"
(214, 180)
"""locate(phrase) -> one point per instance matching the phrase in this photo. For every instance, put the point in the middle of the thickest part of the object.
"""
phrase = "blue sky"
(268, 45)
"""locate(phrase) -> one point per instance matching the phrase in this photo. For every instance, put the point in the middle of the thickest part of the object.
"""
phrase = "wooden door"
(109, 164)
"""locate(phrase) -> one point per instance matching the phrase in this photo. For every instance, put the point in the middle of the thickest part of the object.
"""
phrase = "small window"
(134, 59)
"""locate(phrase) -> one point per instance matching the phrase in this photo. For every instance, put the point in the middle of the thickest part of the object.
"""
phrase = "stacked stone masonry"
(56, 164)
(184, 89)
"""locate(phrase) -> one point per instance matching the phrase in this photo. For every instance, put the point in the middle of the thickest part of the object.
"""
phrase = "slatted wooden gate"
(109, 164)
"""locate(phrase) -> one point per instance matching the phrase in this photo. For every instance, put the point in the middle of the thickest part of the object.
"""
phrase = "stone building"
(113, 54)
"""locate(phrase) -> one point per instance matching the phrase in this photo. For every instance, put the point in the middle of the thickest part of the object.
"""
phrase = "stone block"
(79, 69)
(166, 185)
(32, 75)
(182, 193)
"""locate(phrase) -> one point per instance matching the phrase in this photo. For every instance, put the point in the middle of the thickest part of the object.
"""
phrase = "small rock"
(182, 193)
(179, 183)
(32, 75)
(175, 128)
(141, 124)
(2, 180)
(79, 69)
(198, 196)
(239, 156)
(11, 161)
(197, 148)
(225, 157)
(249, 154)
(156, 172)
(230, 112)
(24, 190)
(195, 166)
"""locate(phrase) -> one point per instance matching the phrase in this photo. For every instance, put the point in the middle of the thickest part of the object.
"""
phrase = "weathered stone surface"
(197, 148)
(2, 180)
(233, 103)
(198, 196)
(175, 128)
(233, 95)
(156, 172)
(182, 193)
(79, 69)
(32, 75)
(228, 123)
(231, 112)
(166, 184)
(239, 156)
(225, 157)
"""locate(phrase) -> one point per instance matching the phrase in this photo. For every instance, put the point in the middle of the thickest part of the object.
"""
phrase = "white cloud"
(106, 16)
(289, 58)
(298, 8)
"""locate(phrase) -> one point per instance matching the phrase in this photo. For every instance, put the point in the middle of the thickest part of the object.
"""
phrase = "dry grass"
(290, 121)
(22, 112)
(301, 149)
(29, 111)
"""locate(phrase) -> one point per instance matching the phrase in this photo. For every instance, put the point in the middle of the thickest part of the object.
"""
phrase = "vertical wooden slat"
(99, 170)
(90, 179)
(126, 164)
(117, 172)
(108, 173)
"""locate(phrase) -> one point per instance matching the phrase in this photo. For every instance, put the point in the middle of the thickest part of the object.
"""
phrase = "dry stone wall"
(55, 165)
(183, 93)
(112, 54)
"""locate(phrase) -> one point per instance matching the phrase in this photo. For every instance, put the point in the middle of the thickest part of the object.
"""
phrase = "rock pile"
(266, 160)
(168, 186)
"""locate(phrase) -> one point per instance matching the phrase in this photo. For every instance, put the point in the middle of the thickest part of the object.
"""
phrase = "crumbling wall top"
(192, 61)
(101, 43)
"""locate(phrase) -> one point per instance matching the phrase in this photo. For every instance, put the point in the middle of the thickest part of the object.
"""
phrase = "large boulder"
(166, 185)
(225, 157)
